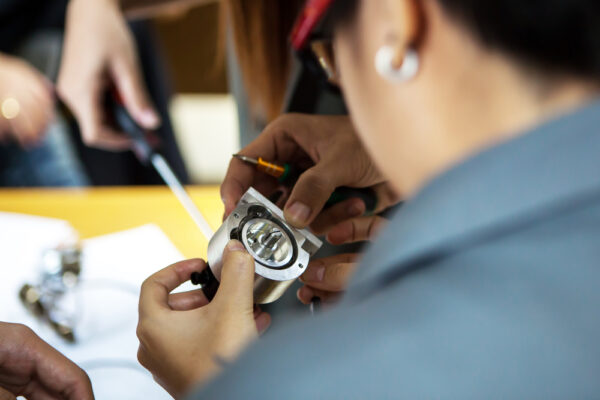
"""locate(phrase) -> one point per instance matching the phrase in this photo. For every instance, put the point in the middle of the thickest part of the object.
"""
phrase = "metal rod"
(246, 159)
(184, 198)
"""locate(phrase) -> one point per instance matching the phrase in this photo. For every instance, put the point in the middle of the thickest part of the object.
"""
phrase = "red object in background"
(309, 18)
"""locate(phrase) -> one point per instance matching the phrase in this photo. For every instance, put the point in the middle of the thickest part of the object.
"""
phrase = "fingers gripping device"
(281, 253)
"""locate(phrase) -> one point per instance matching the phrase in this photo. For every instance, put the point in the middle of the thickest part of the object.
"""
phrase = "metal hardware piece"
(59, 272)
(281, 252)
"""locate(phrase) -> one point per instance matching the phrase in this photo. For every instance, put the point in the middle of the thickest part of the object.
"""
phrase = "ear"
(404, 27)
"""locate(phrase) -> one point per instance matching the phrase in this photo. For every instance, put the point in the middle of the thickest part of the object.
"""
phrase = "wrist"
(204, 372)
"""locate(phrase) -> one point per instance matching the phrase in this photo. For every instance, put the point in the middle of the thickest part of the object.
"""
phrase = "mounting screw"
(236, 215)
(301, 266)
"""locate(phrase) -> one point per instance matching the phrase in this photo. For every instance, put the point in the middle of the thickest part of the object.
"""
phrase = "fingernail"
(304, 294)
(149, 119)
(356, 209)
(314, 274)
(227, 206)
(235, 245)
(298, 213)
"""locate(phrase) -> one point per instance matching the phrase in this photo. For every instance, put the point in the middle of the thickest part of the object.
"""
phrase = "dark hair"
(559, 36)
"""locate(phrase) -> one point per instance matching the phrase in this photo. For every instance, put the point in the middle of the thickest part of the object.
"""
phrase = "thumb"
(237, 278)
(129, 83)
(310, 193)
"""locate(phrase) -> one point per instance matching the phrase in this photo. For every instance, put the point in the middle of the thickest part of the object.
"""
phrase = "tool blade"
(246, 159)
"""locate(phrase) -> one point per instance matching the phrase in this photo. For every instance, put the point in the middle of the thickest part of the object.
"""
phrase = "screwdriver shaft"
(184, 198)
(246, 159)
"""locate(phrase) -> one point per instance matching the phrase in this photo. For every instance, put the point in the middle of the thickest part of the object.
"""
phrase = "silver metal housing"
(273, 277)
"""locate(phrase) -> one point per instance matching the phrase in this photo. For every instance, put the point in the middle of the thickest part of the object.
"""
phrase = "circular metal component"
(281, 253)
(268, 242)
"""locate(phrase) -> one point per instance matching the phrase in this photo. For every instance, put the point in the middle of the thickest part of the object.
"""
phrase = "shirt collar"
(510, 184)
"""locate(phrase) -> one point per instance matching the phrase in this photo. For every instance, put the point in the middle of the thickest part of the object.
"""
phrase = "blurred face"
(385, 114)
(464, 97)
(355, 46)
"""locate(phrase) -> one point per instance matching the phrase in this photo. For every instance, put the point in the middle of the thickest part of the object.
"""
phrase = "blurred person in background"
(259, 59)
(36, 149)
(485, 116)
(30, 155)
(264, 77)
(41, 145)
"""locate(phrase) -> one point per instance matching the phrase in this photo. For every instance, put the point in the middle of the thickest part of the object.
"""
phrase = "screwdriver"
(147, 154)
(288, 175)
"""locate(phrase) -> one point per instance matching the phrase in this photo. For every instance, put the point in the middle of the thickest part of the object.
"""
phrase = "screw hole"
(236, 215)
(301, 266)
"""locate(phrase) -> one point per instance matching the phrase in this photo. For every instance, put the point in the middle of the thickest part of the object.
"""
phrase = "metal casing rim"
(222, 236)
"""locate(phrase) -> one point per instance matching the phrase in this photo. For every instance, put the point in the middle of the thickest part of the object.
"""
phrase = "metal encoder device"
(281, 252)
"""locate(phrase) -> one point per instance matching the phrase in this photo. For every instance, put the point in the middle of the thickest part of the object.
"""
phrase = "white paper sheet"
(113, 269)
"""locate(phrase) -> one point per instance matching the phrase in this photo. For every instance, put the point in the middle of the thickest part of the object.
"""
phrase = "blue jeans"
(54, 162)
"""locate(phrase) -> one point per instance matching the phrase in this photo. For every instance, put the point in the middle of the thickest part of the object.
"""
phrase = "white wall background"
(206, 127)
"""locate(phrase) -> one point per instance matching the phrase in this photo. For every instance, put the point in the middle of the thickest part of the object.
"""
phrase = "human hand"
(31, 368)
(333, 155)
(184, 339)
(347, 214)
(327, 278)
(26, 102)
(99, 52)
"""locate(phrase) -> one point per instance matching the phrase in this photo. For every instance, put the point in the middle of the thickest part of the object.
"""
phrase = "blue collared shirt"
(485, 285)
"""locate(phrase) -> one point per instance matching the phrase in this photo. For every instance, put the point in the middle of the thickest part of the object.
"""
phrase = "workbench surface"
(98, 211)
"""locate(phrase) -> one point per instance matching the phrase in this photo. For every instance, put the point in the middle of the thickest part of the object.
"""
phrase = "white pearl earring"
(384, 64)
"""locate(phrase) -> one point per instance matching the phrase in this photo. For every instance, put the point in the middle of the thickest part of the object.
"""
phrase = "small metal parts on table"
(59, 273)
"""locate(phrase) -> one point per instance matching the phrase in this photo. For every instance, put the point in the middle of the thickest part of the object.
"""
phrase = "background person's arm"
(99, 52)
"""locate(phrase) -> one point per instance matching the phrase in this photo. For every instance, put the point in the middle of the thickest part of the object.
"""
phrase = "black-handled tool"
(147, 154)
(140, 137)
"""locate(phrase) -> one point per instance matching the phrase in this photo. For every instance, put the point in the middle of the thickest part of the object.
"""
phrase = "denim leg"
(54, 162)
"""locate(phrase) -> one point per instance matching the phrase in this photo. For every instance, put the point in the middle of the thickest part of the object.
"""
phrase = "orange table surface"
(98, 211)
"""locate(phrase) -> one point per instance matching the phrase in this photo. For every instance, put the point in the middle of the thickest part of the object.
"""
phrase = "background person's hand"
(184, 339)
(327, 278)
(26, 102)
(99, 52)
(327, 147)
(31, 368)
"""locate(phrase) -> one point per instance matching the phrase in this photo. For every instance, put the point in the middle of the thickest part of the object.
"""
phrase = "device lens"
(268, 242)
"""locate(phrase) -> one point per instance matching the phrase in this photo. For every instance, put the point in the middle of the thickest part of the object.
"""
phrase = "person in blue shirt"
(485, 116)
